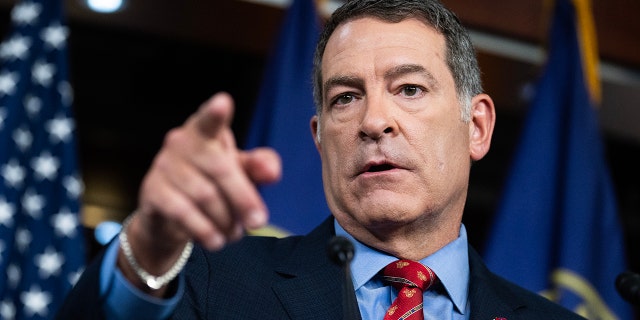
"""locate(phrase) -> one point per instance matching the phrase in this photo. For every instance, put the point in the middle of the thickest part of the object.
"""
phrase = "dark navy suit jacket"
(292, 278)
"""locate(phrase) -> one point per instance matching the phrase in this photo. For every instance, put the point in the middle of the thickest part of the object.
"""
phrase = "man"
(400, 118)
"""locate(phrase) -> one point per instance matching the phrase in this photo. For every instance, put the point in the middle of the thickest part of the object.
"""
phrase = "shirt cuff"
(125, 301)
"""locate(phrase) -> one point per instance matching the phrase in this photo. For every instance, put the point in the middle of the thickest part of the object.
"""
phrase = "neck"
(415, 241)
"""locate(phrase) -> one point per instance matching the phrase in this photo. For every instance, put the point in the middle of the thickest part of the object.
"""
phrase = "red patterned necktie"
(411, 278)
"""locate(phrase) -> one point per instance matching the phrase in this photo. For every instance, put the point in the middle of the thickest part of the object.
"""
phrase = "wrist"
(149, 270)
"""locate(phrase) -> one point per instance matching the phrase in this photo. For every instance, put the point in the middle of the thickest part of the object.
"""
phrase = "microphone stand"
(340, 250)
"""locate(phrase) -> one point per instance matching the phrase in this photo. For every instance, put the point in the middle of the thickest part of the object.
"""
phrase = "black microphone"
(340, 250)
(628, 286)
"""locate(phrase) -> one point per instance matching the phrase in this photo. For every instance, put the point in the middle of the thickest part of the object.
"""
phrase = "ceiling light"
(105, 6)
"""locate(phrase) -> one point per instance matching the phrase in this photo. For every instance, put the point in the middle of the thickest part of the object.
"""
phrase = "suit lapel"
(489, 298)
(312, 285)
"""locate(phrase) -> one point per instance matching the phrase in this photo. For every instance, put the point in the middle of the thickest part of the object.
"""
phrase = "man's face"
(393, 146)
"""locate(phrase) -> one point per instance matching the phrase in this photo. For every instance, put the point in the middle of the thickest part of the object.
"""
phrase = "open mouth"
(380, 167)
(374, 167)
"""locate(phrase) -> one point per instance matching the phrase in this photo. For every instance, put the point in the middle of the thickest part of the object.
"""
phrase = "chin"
(388, 217)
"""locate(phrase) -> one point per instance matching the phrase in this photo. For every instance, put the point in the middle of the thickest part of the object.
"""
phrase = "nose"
(378, 119)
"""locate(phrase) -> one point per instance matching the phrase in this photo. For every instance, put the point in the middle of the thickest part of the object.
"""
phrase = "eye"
(343, 99)
(411, 90)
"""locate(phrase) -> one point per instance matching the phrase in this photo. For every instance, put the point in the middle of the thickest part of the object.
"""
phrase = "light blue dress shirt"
(450, 264)
(125, 301)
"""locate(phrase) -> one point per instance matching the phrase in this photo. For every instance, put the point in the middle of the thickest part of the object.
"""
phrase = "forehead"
(369, 42)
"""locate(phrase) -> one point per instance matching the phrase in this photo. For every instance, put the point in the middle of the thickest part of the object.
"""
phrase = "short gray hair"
(460, 54)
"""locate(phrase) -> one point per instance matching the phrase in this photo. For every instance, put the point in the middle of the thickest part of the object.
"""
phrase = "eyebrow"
(406, 69)
(393, 73)
(347, 81)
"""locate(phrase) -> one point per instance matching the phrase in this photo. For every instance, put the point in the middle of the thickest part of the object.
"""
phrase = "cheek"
(442, 148)
(334, 155)
(453, 156)
(335, 140)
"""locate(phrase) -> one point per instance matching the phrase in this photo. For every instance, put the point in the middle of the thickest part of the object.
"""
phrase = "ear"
(315, 131)
(483, 120)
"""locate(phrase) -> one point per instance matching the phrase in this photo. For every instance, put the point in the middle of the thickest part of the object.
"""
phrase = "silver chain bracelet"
(149, 280)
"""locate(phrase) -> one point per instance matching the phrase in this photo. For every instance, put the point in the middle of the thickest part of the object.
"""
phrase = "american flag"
(41, 241)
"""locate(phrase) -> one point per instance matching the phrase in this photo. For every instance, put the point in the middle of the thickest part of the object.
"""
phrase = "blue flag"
(556, 230)
(281, 120)
(41, 241)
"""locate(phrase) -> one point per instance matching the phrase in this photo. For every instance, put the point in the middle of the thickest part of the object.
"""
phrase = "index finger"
(214, 115)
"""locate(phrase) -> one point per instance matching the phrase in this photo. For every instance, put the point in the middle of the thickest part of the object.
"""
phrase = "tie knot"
(409, 273)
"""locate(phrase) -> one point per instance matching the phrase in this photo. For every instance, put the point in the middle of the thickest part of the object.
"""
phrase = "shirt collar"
(450, 263)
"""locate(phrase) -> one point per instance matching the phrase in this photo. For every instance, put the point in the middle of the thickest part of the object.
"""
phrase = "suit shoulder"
(490, 293)
(251, 249)
(536, 306)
